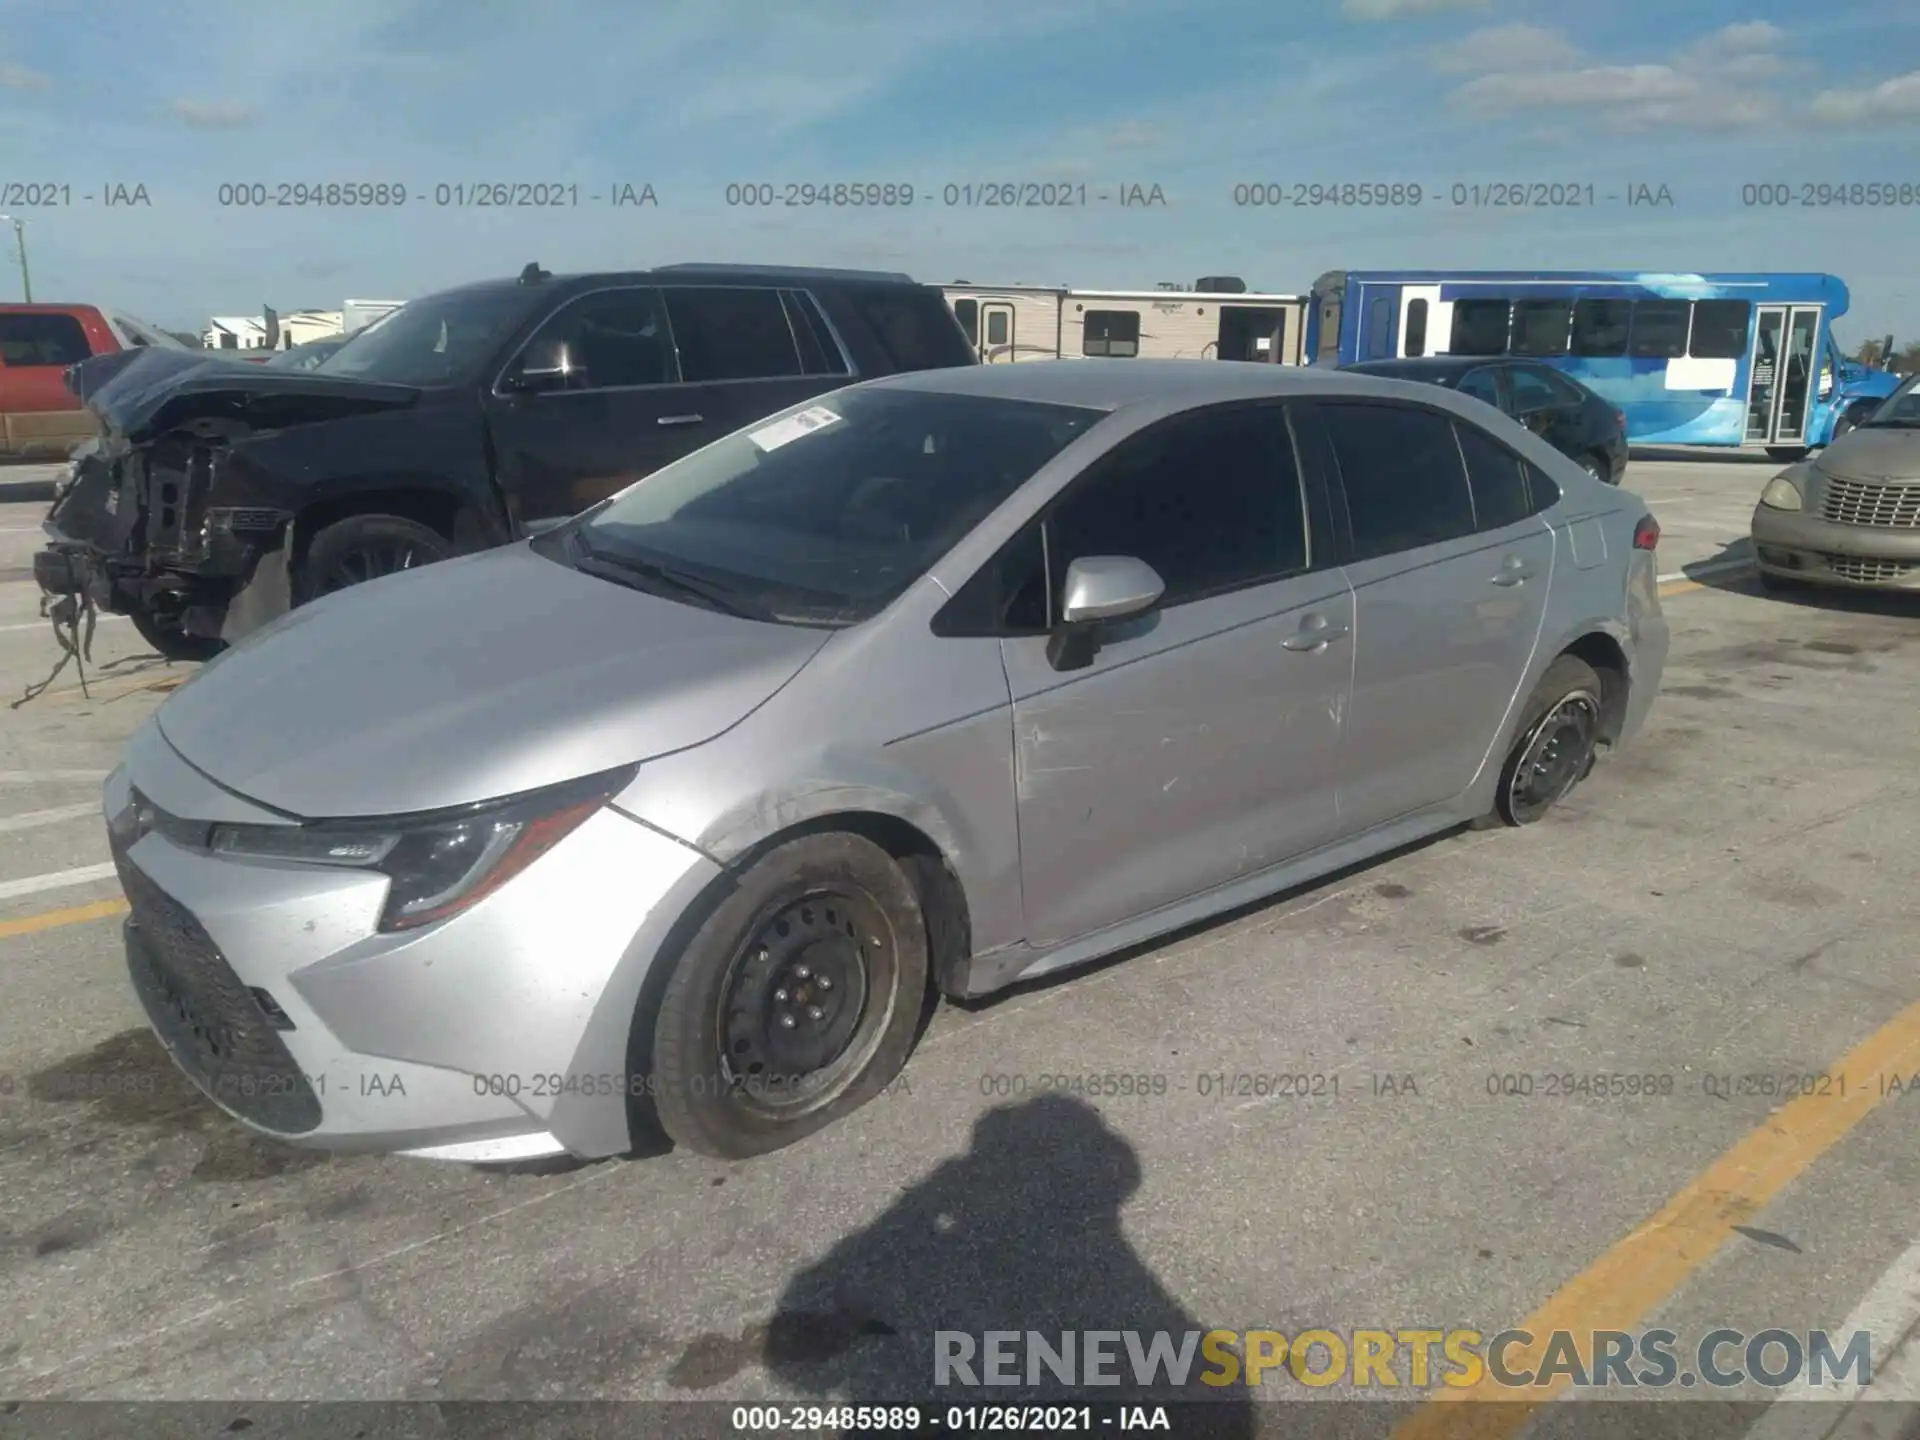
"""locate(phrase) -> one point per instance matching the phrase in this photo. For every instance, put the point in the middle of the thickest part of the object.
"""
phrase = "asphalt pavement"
(1725, 911)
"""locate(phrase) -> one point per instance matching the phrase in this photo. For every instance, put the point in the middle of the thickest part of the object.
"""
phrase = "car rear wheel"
(1559, 737)
(167, 635)
(795, 1002)
(366, 547)
(1787, 454)
(1597, 468)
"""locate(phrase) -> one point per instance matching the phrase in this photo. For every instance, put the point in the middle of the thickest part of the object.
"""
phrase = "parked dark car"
(222, 495)
(1559, 409)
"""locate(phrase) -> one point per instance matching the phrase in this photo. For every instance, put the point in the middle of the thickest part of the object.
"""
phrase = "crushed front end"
(143, 530)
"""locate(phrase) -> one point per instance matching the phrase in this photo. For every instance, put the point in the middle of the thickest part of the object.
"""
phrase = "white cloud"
(1393, 9)
(1707, 84)
(1503, 48)
(212, 114)
(18, 77)
(1895, 99)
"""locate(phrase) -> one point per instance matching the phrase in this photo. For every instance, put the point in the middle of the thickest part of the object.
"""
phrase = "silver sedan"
(678, 818)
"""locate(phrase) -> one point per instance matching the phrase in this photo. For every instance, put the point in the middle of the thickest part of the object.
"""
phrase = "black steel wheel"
(1559, 739)
(795, 1002)
(366, 547)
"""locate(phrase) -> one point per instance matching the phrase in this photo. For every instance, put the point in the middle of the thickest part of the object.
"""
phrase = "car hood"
(137, 394)
(468, 680)
(1872, 454)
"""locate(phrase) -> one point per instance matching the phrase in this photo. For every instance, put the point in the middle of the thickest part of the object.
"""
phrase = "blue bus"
(1738, 360)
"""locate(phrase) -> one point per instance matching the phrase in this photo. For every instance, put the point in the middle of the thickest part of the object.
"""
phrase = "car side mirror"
(545, 365)
(1098, 589)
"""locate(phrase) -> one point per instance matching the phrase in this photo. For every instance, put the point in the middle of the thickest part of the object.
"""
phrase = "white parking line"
(34, 777)
(1888, 1312)
(1712, 567)
(47, 624)
(55, 880)
(34, 819)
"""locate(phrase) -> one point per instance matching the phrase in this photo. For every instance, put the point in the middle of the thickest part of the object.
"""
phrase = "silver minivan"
(680, 816)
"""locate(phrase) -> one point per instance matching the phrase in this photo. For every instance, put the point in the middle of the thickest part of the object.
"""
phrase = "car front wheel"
(1559, 737)
(366, 547)
(168, 636)
(795, 1002)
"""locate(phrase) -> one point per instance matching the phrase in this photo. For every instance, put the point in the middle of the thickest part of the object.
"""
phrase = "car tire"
(1597, 468)
(1787, 454)
(1555, 746)
(365, 547)
(170, 641)
(737, 1067)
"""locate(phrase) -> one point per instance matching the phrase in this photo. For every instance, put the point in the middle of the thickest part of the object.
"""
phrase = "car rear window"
(913, 326)
(42, 340)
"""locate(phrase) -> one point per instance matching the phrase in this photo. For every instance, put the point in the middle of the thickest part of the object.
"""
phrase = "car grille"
(211, 1022)
(1869, 572)
(1854, 502)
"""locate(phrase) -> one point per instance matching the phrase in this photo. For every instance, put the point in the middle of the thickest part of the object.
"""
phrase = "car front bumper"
(499, 1034)
(1794, 544)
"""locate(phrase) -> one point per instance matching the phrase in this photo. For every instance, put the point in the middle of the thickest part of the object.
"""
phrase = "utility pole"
(20, 240)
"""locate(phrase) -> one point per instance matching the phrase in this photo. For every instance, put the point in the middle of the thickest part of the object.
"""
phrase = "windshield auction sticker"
(783, 432)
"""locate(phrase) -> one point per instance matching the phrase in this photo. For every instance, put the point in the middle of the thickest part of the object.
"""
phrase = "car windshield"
(825, 513)
(1902, 410)
(440, 340)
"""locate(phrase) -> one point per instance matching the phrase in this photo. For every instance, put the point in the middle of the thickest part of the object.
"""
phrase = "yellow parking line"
(1620, 1289)
(54, 919)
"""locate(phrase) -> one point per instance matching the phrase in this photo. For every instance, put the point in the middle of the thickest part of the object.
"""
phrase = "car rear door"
(1199, 744)
(38, 414)
(753, 350)
(1548, 406)
(1448, 604)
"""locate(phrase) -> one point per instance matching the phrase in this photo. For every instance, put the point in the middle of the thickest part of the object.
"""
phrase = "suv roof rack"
(808, 272)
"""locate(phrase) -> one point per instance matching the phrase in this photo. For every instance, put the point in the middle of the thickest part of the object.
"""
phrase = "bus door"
(1418, 303)
(1783, 373)
(996, 332)
(1380, 322)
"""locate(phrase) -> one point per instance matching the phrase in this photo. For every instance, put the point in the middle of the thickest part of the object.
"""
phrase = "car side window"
(1497, 477)
(1402, 474)
(732, 333)
(1481, 384)
(42, 339)
(1564, 389)
(1531, 391)
(1212, 501)
(608, 340)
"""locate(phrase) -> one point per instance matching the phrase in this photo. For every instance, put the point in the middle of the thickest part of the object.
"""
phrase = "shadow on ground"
(1732, 571)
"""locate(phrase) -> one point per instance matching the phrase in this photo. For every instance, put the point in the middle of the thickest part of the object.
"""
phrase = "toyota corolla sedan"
(678, 817)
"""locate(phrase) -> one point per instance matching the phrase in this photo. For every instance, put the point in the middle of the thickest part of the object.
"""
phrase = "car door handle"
(1314, 634)
(682, 420)
(1514, 571)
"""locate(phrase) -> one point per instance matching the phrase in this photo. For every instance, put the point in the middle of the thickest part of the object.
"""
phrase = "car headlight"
(439, 864)
(1781, 494)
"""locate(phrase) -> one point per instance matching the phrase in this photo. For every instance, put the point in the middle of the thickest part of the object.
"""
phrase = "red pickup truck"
(39, 417)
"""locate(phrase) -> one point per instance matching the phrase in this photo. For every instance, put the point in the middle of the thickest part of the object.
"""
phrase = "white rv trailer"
(1056, 322)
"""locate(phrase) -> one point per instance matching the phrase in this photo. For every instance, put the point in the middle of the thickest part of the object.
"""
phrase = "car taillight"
(1646, 535)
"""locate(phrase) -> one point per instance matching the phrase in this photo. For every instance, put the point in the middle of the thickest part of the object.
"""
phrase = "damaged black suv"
(220, 495)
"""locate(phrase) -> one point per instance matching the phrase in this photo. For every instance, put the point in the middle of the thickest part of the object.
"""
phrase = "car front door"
(1448, 610)
(593, 402)
(1198, 744)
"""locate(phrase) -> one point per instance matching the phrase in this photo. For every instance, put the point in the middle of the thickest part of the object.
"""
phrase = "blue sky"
(1195, 97)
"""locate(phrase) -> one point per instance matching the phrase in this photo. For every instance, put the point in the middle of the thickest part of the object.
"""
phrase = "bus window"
(1480, 327)
(1540, 327)
(1416, 336)
(1600, 327)
(967, 312)
(1659, 329)
(1380, 328)
(1719, 329)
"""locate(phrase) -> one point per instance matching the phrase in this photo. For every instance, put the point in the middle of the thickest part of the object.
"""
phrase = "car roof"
(691, 273)
(1433, 364)
(1110, 384)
